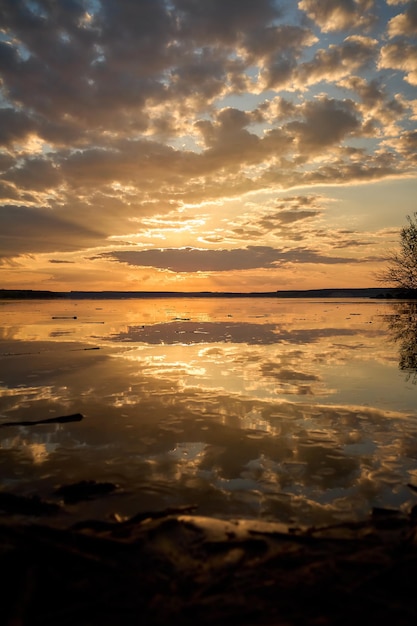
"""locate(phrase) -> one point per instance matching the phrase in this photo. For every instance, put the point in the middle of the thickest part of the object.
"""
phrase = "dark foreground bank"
(175, 567)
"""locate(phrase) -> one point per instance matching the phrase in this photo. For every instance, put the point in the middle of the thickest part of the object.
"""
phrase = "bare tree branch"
(401, 269)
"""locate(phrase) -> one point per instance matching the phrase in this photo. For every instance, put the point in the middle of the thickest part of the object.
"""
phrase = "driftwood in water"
(64, 317)
(63, 419)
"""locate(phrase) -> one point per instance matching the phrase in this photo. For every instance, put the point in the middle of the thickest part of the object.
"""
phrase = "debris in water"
(63, 419)
(84, 490)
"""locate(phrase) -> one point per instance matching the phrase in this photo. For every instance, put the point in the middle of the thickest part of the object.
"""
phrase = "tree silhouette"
(401, 270)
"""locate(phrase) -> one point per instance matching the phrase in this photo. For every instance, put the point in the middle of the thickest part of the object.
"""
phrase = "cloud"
(58, 261)
(318, 125)
(342, 15)
(14, 126)
(224, 22)
(404, 24)
(199, 260)
(25, 230)
(36, 174)
(285, 217)
(336, 61)
(289, 217)
(79, 69)
(379, 109)
(400, 56)
(408, 145)
(69, 65)
(296, 219)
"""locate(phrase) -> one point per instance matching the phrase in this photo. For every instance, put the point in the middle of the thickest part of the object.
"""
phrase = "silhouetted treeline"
(28, 294)
(372, 292)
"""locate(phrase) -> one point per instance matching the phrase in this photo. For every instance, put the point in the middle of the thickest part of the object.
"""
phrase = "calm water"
(289, 410)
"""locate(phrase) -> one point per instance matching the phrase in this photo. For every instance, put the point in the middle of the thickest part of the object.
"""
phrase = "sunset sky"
(222, 145)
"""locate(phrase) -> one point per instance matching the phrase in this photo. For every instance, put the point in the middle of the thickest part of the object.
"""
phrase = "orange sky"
(218, 145)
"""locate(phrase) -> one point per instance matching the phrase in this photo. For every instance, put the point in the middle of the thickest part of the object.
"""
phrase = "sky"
(193, 145)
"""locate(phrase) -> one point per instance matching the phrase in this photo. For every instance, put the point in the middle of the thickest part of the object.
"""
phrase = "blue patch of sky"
(92, 6)
(384, 12)
(100, 55)
(394, 82)
(64, 37)
(245, 101)
(331, 89)
(371, 203)
(9, 38)
(36, 9)
(289, 11)
(4, 102)
(367, 144)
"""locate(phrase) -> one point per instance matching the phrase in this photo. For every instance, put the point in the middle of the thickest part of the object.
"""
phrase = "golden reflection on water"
(278, 409)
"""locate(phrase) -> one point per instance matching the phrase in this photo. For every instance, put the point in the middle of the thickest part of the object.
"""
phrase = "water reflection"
(274, 409)
(402, 326)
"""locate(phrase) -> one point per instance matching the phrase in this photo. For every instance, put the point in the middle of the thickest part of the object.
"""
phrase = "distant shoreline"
(372, 292)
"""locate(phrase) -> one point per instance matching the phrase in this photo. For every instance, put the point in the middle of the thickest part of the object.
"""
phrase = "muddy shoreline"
(178, 567)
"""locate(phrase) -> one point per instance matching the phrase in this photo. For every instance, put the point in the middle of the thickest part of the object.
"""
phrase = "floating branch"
(63, 419)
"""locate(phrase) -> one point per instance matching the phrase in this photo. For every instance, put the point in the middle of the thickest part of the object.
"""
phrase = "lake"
(302, 411)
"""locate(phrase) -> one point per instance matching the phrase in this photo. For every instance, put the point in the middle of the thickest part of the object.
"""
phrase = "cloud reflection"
(298, 416)
(225, 332)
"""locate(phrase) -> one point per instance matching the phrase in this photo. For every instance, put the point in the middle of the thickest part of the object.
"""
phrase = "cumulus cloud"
(404, 23)
(332, 15)
(337, 61)
(401, 56)
(326, 122)
(380, 110)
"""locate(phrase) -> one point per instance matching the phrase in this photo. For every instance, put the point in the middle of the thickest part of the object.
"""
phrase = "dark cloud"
(224, 22)
(14, 126)
(35, 174)
(58, 261)
(83, 67)
(6, 161)
(326, 122)
(197, 260)
(28, 230)
(289, 216)
(286, 41)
